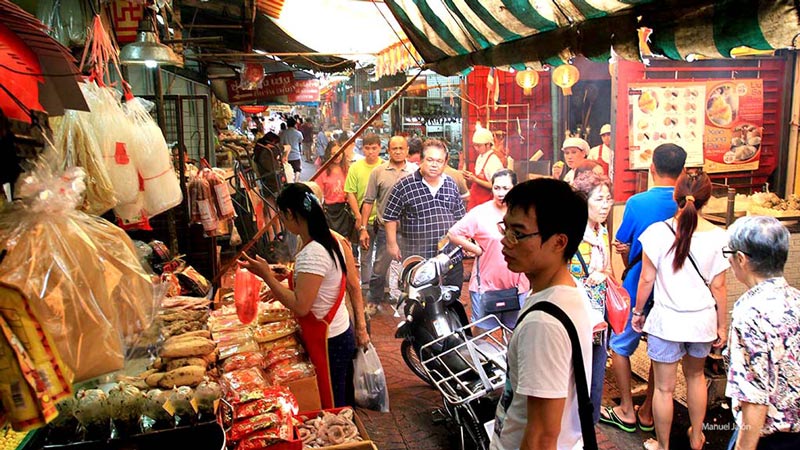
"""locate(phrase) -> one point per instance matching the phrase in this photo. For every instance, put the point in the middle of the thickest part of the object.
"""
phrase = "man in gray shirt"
(381, 181)
(293, 139)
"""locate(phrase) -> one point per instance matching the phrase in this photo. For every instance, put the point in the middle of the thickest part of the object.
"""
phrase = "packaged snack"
(273, 312)
(281, 431)
(244, 360)
(274, 330)
(288, 371)
(288, 341)
(279, 355)
(238, 383)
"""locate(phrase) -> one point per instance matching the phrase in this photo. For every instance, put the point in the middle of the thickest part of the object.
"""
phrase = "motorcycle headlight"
(424, 274)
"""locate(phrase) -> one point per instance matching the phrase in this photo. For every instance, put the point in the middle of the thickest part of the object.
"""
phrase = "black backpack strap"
(633, 262)
(583, 263)
(585, 407)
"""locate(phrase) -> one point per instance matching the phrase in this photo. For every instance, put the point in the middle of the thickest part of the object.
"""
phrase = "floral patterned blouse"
(764, 348)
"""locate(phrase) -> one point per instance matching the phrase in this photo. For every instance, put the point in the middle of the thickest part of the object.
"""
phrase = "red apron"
(599, 159)
(315, 337)
(477, 193)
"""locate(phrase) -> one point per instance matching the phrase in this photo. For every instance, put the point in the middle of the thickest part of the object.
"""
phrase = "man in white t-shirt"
(542, 228)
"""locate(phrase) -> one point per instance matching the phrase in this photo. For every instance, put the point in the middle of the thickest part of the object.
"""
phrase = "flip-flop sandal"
(650, 444)
(611, 418)
(642, 426)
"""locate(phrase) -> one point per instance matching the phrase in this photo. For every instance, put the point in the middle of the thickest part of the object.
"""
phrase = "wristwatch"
(362, 228)
(637, 313)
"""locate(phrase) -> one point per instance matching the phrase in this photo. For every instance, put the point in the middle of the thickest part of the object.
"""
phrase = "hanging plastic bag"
(618, 306)
(113, 133)
(74, 140)
(201, 206)
(81, 273)
(245, 293)
(221, 194)
(395, 267)
(152, 159)
(369, 380)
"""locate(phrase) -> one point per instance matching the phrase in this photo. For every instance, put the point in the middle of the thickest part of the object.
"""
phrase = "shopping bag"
(618, 306)
(369, 380)
(245, 293)
(395, 268)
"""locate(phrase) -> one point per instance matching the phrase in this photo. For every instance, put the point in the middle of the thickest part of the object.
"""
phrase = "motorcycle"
(439, 346)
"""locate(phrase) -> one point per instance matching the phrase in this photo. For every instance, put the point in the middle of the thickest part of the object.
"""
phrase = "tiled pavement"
(410, 425)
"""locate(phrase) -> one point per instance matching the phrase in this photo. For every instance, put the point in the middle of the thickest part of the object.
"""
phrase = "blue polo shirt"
(642, 210)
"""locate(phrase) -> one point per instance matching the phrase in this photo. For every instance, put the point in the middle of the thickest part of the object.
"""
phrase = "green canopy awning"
(452, 35)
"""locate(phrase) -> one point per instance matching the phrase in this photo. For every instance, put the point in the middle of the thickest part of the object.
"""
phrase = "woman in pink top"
(331, 180)
(478, 233)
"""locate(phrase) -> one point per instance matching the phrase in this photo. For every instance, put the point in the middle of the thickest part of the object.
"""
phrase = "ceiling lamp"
(146, 49)
(565, 76)
(527, 80)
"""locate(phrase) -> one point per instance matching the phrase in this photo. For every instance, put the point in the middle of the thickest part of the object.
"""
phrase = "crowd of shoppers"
(548, 241)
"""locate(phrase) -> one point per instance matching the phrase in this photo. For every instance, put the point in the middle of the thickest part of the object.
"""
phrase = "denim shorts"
(627, 342)
(668, 352)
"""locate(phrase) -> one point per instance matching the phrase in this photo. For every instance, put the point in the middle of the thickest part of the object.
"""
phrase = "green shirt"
(357, 181)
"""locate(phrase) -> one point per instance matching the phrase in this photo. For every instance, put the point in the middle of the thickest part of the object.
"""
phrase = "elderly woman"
(592, 265)
(764, 345)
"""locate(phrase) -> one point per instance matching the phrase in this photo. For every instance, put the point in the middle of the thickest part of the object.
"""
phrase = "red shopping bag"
(618, 306)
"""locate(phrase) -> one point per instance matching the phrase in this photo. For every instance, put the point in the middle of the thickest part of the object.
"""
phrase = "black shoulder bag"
(500, 301)
(585, 407)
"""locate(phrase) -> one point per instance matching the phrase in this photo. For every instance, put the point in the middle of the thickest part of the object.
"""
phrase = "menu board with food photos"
(661, 113)
(734, 118)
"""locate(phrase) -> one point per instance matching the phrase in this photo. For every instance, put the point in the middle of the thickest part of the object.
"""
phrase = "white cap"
(605, 129)
(482, 136)
(575, 142)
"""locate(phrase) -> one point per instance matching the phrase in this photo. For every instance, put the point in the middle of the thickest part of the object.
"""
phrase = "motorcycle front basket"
(465, 367)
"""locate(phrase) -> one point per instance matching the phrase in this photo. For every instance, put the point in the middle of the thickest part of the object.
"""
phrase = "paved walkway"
(409, 424)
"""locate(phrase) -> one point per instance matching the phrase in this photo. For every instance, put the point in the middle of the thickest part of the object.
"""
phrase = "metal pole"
(352, 139)
(162, 123)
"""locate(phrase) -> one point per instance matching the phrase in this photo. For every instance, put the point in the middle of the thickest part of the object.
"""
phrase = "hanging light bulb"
(527, 80)
(565, 76)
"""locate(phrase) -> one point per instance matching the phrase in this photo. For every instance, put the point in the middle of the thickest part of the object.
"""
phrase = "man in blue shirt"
(641, 211)
(293, 138)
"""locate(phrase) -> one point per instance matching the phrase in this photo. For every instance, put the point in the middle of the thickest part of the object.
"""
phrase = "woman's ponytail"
(692, 192)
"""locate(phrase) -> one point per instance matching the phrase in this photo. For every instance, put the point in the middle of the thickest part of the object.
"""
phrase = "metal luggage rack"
(484, 371)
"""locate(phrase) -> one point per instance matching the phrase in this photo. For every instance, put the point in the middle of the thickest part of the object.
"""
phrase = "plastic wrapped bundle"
(151, 157)
(115, 135)
(82, 277)
(201, 204)
(75, 139)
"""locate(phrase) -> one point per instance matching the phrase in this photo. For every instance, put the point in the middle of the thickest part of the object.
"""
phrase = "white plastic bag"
(369, 380)
(395, 268)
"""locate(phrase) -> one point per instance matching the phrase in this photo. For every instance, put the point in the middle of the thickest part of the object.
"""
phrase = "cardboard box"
(365, 444)
(306, 392)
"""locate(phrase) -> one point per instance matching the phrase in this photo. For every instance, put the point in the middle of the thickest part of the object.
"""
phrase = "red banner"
(305, 91)
(734, 111)
(126, 17)
(278, 87)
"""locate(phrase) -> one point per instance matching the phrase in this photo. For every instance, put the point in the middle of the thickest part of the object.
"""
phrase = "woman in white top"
(315, 293)
(683, 258)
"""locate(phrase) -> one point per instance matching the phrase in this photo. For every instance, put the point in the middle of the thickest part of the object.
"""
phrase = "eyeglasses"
(513, 236)
(728, 252)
